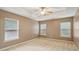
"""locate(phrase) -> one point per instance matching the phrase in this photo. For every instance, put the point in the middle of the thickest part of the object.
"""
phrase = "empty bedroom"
(39, 29)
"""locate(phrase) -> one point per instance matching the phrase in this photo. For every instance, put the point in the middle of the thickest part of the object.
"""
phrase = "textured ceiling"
(34, 13)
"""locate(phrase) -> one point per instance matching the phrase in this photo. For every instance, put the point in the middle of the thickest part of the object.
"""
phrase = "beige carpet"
(45, 44)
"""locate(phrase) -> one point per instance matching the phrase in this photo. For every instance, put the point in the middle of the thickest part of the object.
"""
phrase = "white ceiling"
(34, 13)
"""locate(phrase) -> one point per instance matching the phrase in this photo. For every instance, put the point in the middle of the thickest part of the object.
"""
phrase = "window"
(11, 28)
(36, 29)
(65, 29)
(43, 29)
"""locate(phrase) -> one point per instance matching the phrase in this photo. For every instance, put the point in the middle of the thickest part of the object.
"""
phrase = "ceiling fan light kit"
(45, 11)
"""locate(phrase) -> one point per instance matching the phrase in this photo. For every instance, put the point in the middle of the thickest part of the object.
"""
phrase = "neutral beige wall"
(76, 28)
(27, 26)
(53, 27)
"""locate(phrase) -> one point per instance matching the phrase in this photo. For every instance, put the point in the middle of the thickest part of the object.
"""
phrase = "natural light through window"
(11, 27)
(65, 29)
(43, 29)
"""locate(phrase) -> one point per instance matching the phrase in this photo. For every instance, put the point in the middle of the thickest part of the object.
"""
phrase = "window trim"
(17, 29)
(41, 29)
(70, 29)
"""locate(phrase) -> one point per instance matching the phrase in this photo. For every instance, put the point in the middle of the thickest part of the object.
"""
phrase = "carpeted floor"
(45, 44)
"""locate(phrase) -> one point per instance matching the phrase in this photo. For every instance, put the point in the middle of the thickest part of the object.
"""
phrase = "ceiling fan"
(45, 11)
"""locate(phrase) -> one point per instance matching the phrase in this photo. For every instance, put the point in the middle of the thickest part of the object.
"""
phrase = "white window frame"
(17, 29)
(41, 32)
(62, 34)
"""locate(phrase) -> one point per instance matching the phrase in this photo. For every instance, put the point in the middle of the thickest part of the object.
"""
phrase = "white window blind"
(65, 29)
(11, 29)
